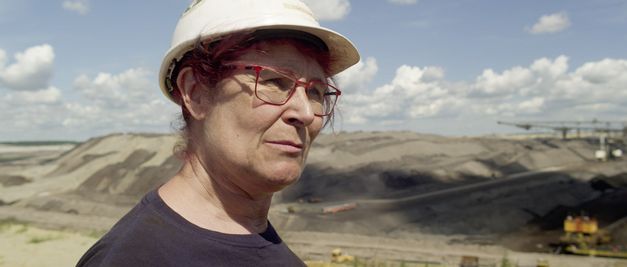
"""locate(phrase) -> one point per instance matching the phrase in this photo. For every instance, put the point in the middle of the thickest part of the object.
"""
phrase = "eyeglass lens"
(276, 88)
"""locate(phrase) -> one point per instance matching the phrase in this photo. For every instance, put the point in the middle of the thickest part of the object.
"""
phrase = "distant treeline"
(39, 143)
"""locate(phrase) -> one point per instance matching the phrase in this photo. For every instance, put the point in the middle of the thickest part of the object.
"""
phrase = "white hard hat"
(211, 19)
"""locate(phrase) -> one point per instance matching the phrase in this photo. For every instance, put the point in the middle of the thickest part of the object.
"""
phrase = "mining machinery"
(609, 128)
(582, 236)
(612, 134)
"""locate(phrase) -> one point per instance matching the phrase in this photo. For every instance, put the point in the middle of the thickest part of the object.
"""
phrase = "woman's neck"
(214, 203)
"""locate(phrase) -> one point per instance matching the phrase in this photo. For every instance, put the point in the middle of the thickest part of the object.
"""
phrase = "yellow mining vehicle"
(338, 256)
(584, 231)
(542, 263)
(582, 236)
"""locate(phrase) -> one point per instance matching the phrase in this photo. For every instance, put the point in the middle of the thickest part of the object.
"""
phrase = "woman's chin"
(281, 178)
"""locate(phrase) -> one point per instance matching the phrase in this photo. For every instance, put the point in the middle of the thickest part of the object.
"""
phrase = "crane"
(608, 149)
(564, 127)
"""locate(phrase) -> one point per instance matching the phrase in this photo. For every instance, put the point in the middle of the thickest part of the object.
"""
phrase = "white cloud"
(329, 9)
(30, 113)
(414, 80)
(32, 69)
(47, 96)
(50, 95)
(533, 105)
(595, 82)
(525, 81)
(544, 89)
(413, 93)
(491, 83)
(432, 74)
(403, 2)
(551, 23)
(128, 100)
(550, 69)
(604, 71)
(79, 6)
(105, 103)
(111, 90)
(358, 76)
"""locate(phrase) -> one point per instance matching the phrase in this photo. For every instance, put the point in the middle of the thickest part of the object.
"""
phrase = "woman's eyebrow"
(290, 66)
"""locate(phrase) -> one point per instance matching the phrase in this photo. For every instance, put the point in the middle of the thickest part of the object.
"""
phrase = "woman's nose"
(298, 108)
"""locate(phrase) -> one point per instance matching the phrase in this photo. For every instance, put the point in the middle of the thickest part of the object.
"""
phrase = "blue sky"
(74, 69)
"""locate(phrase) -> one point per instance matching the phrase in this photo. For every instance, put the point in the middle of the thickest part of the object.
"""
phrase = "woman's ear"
(192, 93)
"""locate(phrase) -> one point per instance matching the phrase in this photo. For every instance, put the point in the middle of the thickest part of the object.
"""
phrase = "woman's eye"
(280, 83)
(316, 92)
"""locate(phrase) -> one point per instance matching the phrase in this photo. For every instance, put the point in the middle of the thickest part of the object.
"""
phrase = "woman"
(252, 80)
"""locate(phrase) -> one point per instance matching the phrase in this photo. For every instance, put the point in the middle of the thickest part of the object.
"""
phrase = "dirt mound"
(486, 189)
(356, 165)
(13, 180)
(603, 182)
(119, 166)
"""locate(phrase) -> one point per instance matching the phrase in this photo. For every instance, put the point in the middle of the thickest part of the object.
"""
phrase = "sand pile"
(353, 165)
(102, 176)
(485, 189)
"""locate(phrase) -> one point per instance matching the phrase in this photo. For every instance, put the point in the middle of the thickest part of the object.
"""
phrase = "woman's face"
(258, 147)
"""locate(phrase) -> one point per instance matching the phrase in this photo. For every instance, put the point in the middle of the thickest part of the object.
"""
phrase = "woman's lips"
(286, 146)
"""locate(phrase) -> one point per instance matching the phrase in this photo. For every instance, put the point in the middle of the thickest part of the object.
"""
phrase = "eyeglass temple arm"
(337, 92)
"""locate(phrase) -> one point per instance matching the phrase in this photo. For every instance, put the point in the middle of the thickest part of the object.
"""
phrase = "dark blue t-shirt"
(152, 234)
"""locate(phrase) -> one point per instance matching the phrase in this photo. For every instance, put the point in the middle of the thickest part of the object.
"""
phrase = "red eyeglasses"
(276, 87)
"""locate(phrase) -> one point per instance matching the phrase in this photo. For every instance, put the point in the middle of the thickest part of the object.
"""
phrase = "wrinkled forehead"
(285, 54)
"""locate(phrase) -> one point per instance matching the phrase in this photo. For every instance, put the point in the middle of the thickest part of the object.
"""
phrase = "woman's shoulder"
(151, 234)
(131, 236)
